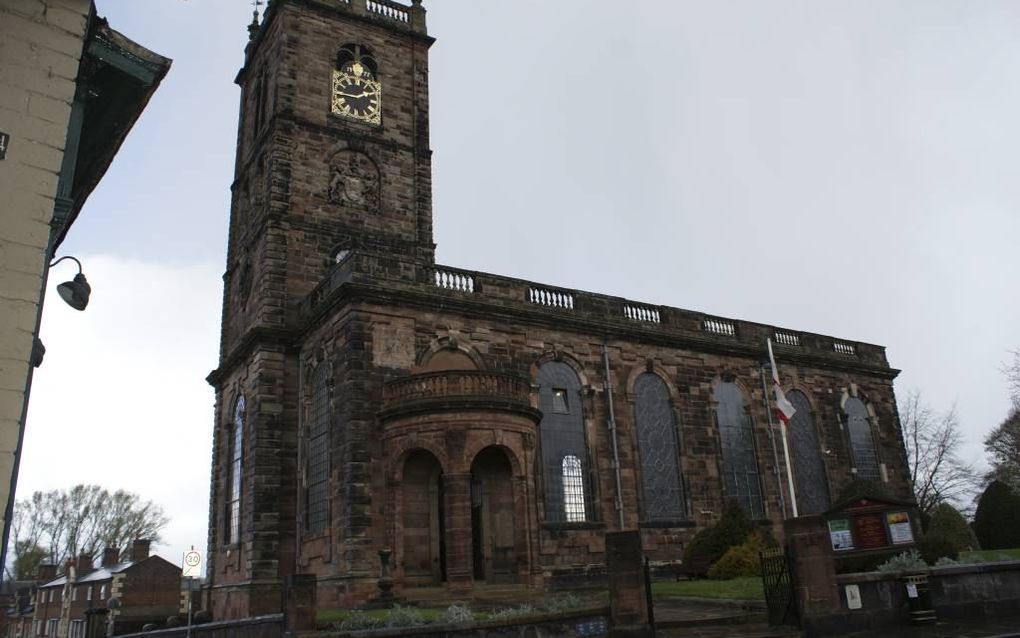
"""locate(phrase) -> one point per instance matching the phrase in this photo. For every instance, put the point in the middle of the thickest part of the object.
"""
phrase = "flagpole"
(782, 430)
(772, 439)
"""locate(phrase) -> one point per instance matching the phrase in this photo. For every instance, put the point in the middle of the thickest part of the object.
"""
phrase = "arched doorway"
(493, 528)
(424, 548)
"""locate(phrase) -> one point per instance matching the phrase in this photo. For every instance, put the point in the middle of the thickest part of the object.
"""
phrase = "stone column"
(457, 492)
(627, 593)
(299, 609)
(813, 567)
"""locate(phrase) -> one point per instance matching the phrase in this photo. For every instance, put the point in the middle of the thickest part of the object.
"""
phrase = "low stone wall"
(270, 626)
(958, 592)
(583, 624)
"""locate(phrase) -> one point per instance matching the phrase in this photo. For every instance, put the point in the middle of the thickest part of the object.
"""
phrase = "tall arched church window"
(235, 477)
(739, 465)
(661, 487)
(564, 450)
(808, 466)
(357, 92)
(317, 464)
(862, 442)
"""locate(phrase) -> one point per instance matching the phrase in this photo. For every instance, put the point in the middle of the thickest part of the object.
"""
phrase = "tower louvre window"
(350, 54)
(261, 98)
(317, 464)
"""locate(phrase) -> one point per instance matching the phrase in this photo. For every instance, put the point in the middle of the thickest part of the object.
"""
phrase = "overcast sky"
(843, 168)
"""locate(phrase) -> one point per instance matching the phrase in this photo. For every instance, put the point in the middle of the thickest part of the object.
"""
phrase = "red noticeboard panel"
(869, 532)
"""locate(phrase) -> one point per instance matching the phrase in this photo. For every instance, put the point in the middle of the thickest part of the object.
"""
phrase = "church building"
(484, 429)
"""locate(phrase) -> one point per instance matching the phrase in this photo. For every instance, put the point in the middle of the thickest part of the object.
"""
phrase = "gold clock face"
(356, 94)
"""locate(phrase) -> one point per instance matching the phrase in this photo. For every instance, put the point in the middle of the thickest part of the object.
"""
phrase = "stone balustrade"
(613, 313)
(457, 386)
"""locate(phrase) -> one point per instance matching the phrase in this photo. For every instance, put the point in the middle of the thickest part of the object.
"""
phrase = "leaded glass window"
(236, 455)
(808, 466)
(317, 469)
(562, 438)
(740, 480)
(573, 489)
(862, 443)
(661, 487)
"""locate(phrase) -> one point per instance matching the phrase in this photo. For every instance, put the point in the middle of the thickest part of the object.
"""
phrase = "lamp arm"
(74, 259)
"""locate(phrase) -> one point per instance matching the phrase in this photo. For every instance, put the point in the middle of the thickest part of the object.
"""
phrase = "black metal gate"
(775, 577)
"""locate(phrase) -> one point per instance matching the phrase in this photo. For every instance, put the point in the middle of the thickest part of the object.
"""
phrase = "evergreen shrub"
(741, 560)
(709, 545)
(948, 535)
(997, 520)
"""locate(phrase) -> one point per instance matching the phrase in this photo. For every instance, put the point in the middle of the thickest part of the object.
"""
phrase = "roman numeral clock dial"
(357, 94)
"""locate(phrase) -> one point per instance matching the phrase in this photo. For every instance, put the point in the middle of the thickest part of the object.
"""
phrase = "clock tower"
(332, 159)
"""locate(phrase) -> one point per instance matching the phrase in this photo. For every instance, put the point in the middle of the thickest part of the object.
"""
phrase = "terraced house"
(482, 428)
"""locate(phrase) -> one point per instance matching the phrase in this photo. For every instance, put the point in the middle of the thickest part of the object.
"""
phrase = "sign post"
(191, 568)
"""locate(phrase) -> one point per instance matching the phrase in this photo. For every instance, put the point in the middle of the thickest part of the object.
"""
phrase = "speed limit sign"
(192, 565)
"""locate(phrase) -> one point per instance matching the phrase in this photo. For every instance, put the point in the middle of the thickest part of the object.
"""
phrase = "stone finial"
(253, 28)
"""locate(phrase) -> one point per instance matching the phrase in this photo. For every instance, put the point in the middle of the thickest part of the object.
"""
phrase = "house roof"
(106, 573)
(119, 77)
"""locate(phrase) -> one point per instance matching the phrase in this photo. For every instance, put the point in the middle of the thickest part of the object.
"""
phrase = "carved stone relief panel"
(354, 180)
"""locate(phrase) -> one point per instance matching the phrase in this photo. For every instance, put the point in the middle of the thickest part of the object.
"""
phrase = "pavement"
(698, 618)
(986, 628)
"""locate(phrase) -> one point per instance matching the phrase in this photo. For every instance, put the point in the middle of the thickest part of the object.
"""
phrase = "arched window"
(236, 455)
(564, 450)
(740, 480)
(573, 489)
(862, 443)
(317, 463)
(661, 487)
(351, 54)
(808, 466)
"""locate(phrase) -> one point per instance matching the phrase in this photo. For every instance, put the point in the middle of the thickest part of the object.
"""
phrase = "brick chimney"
(84, 564)
(70, 566)
(139, 550)
(111, 556)
(46, 573)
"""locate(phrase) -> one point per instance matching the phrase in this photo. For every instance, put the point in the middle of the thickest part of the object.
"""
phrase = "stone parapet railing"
(612, 313)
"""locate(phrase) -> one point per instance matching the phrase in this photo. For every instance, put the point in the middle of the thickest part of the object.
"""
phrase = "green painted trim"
(104, 51)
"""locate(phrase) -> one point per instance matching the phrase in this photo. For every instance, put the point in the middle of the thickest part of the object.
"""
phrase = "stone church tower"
(482, 428)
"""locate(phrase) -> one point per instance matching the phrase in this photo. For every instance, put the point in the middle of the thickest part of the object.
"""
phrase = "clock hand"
(363, 94)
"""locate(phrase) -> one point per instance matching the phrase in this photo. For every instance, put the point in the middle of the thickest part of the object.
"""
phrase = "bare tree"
(933, 441)
(1012, 372)
(60, 524)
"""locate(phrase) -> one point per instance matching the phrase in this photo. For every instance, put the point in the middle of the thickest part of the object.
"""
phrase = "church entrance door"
(424, 547)
(493, 546)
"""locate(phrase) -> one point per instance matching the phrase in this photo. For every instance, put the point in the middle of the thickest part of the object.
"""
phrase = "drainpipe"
(611, 422)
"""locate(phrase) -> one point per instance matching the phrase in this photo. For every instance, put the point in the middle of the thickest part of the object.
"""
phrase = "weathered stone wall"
(40, 49)
(286, 223)
(958, 592)
(368, 344)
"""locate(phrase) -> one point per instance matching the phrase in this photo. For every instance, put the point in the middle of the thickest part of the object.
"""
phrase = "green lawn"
(748, 588)
(989, 555)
